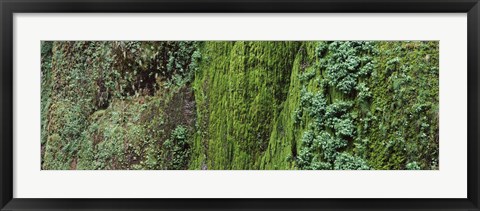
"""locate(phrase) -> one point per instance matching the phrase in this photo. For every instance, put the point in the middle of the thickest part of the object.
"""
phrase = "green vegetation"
(312, 105)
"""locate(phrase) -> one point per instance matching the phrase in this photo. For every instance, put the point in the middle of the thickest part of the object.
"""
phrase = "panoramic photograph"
(239, 105)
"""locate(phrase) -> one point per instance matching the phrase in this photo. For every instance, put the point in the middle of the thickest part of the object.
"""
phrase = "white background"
(449, 181)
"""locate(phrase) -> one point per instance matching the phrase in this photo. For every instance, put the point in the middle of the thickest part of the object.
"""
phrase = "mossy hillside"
(285, 135)
(345, 119)
(240, 89)
(136, 134)
(104, 104)
(405, 89)
(46, 84)
(240, 105)
(329, 106)
(70, 94)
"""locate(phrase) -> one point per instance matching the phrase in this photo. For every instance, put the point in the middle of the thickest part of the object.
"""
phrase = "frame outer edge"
(6, 114)
(475, 60)
(243, 6)
(6, 107)
(2, 201)
(473, 104)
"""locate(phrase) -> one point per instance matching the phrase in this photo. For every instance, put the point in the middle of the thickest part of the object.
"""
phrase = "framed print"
(264, 105)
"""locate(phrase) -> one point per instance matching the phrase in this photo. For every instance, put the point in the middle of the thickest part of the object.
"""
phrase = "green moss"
(108, 106)
(405, 91)
(240, 90)
(240, 105)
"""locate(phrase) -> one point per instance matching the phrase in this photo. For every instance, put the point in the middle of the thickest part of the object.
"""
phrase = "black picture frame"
(9, 7)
